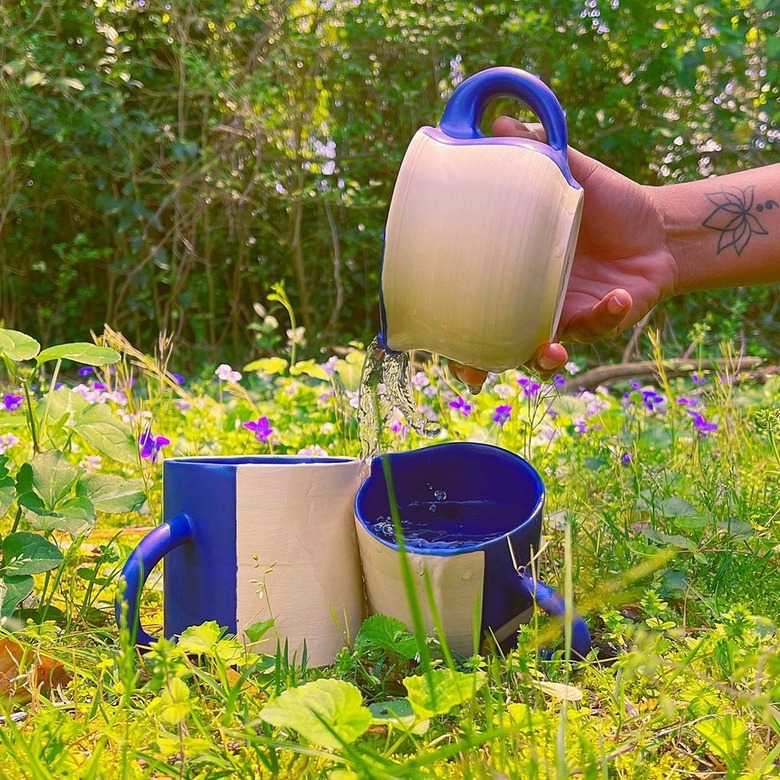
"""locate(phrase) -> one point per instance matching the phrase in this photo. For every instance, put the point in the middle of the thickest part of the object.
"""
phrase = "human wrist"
(722, 231)
(671, 245)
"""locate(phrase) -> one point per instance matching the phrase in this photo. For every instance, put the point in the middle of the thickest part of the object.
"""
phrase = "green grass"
(666, 539)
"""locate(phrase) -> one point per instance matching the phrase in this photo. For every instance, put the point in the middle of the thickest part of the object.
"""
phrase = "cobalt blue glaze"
(553, 604)
(149, 552)
(198, 541)
(200, 578)
(467, 471)
(464, 110)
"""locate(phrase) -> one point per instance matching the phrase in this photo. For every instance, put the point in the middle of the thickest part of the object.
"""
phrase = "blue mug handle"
(149, 552)
(465, 108)
(554, 605)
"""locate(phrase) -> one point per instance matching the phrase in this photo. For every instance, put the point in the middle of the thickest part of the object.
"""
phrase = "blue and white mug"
(471, 515)
(481, 231)
(246, 539)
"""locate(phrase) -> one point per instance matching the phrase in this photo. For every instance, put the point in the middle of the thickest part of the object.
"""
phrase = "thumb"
(581, 165)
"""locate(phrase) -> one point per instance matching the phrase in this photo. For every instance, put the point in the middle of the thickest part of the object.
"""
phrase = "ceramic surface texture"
(456, 582)
(297, 557)
(478, 246)
(246, 539)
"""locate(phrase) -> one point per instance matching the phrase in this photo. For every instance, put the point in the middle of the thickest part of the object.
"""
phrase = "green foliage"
(329, 713)
(49, 492)
(165, 165)
(672, 555)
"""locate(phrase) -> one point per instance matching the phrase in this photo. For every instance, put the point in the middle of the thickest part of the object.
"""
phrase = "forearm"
(723, 231)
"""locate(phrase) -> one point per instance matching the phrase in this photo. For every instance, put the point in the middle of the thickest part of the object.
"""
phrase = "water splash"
(385, 384)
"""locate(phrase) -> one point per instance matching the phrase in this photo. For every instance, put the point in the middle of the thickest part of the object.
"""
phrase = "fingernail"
(474, 389)
(617, 303)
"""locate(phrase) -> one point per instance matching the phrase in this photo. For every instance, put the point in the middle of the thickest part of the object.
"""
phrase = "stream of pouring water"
(386, 383)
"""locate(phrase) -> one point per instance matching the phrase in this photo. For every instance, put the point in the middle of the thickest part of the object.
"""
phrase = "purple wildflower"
(227, 374)
(398, 426)
(420, 380)
(698, 379)
(634, 384)
(626, 459)
(703, 426)
(559, 380)
(151, 445)
(12, 402)
(99, 386)
(501, 414)
(462, 405)
(531, 389)
(178, 378)
(7, 440)
(261, 428)
(329, 366)
(85, 371)
(652, 400)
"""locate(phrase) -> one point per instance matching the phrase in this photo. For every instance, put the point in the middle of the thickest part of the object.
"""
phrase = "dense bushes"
(164, 164)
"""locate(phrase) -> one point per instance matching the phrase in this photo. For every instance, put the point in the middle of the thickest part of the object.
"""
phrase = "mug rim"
(259, 460)
(534, 515)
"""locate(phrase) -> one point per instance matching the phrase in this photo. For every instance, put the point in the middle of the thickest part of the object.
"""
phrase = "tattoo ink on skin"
(734, 217)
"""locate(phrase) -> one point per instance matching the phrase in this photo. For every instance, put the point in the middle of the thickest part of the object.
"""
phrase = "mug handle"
(465, 108)
(553, 604)
(149, 552)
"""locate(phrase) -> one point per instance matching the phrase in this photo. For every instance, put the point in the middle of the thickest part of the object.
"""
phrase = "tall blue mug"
(252, 539)
(471, 516)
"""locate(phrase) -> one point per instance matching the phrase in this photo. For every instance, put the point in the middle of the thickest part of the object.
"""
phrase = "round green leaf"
(12, 591)
(439, 691)
(326, 712)
(18, 346)
(80, 352)
(26, 553)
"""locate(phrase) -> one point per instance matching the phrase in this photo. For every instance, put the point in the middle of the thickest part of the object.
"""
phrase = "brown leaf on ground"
(23, 670)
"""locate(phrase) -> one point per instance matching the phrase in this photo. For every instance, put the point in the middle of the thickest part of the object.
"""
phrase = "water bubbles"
(432, 508)
(439, 495)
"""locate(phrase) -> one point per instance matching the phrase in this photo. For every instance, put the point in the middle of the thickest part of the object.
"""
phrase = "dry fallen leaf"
(23, 670)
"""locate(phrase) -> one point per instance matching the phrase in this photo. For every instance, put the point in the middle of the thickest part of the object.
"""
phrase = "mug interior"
(451, 498)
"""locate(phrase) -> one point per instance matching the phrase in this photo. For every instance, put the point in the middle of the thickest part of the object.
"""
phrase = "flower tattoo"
(734, 219)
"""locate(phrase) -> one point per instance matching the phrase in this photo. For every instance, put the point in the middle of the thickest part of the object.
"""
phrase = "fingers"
(472, 377)
(582, 166)
(509, 126)
(604, 320)
(548, 360)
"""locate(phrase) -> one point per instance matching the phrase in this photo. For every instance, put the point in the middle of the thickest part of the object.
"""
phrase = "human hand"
(621, 269)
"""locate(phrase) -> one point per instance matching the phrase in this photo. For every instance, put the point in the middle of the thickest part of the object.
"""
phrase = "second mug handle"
(553, 604)
(468, 102)
(149, 552)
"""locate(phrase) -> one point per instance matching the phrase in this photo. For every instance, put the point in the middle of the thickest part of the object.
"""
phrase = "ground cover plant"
(661, 523)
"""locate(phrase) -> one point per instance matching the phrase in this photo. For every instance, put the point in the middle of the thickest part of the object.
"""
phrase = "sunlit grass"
(661, 527)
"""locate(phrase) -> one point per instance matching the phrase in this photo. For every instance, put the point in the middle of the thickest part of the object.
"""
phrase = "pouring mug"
(471, 515)
(254, 538)
(481, 231)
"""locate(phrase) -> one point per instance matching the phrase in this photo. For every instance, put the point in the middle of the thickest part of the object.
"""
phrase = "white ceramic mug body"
(258, 538)
(481, 232)
(471, 516)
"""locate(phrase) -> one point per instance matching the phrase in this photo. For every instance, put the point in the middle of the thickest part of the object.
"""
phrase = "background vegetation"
(164, 163)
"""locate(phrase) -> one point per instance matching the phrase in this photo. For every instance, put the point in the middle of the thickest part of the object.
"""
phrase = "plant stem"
(17, 519)
(48, 397)
(30, 415)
